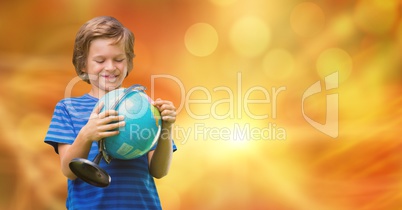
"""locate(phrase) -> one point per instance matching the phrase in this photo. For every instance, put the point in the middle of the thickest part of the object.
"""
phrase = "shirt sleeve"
(61, 129)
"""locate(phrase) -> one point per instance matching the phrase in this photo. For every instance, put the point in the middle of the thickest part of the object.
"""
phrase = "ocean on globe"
(143, 124)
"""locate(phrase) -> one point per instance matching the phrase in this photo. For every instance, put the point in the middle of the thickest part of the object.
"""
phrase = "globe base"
(90, 172)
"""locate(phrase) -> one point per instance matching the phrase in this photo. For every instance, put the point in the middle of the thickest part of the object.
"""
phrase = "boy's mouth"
(111, 78)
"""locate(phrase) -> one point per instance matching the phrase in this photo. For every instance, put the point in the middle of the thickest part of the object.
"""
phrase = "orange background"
(216, 48)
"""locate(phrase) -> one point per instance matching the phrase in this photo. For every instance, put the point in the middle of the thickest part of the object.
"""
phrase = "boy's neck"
(97, 93)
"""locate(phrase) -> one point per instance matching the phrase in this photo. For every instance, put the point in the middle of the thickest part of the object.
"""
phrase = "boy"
(103, 57)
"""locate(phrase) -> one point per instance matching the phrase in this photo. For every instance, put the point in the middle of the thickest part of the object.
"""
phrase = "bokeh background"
(222, 53)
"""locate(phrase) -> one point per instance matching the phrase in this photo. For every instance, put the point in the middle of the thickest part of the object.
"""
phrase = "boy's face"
(106, 65)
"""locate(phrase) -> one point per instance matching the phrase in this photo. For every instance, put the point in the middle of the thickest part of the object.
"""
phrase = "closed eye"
(119, 60)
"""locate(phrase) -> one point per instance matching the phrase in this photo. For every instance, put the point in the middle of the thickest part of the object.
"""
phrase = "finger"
(160, 102)
(112, 126)
(169, 119)
(166, 106)
(98, 108)
(111, 119)
(168, 113)
(108, 134)
(108, 113)
(167, 109)
(96, 111)
(153, 102)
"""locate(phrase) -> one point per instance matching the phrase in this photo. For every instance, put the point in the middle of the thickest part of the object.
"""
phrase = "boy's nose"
(110, 66)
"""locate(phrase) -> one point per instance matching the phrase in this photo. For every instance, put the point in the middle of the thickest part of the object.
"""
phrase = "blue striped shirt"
(132, 186)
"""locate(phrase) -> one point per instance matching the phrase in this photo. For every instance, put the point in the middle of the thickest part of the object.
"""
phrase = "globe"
(143, 123)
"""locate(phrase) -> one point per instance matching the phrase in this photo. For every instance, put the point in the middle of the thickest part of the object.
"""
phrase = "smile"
(110, 78)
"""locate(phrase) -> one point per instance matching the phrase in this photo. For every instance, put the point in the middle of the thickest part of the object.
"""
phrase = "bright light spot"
(332, 60)
(342, 27)
(201, 39)
(250, 36)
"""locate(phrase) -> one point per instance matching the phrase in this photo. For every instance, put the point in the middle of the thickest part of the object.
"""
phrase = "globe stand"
(90, 171)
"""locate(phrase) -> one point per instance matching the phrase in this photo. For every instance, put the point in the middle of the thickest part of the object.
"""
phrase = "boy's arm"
(99, 126)
(67, 152)
(161, 157)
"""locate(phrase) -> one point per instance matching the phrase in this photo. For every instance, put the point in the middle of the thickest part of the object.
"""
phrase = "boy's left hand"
(167, 110)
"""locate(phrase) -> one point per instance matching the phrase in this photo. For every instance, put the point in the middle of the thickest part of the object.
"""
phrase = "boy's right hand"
(102, 125)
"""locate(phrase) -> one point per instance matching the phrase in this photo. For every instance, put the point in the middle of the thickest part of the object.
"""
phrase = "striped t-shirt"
(132, 186)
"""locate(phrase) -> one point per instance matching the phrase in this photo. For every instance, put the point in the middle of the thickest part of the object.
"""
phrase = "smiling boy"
(103, 57)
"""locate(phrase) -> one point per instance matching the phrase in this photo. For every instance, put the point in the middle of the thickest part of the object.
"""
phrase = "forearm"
(162, 155)
(99, 126)
(79, 149)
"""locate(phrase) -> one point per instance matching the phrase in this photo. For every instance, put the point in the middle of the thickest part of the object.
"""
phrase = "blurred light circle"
(342, 27)
(201, 39)
(307, 19)
(249, 36)
(334, 60)
(278, 64)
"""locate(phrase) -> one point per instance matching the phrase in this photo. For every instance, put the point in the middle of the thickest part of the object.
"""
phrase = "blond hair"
(101, 27)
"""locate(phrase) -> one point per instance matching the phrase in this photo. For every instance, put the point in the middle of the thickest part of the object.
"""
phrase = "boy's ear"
(84, 74)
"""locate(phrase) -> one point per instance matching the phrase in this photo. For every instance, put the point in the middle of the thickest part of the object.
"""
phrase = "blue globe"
(143, 123)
